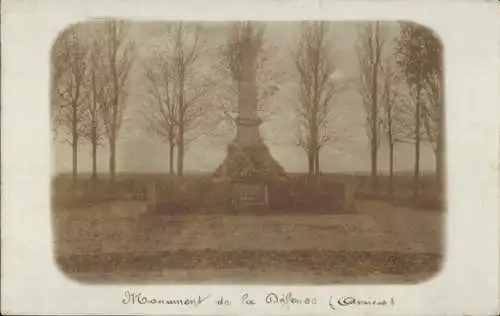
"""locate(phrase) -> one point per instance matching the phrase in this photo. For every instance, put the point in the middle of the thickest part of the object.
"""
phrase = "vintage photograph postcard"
(248, 151)
(163, 160)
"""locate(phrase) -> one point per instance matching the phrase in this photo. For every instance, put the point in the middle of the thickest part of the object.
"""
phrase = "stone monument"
(248, 164)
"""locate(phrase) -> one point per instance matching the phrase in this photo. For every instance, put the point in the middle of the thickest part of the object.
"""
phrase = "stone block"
(152, 197)
(349, 196)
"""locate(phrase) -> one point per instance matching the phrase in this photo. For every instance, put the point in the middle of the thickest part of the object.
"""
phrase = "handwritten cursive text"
(288, 299)
(352, 301)
(131, 297)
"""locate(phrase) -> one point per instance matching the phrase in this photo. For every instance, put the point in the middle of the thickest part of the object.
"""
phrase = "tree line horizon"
(400, 82)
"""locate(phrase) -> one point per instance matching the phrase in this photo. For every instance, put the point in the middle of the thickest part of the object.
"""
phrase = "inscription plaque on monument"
(249, 195)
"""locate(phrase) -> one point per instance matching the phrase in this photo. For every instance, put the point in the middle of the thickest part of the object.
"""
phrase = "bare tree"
(393, 112)
(192, 87)
(433, 108)
(116, 61)
(178, 98)
(369, 47)
(94, 130)
(419, 57)
(69, 75)
(317, 91)
(161, 101)
(432, 114)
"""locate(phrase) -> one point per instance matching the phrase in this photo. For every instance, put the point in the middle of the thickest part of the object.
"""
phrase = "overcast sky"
(141, 152)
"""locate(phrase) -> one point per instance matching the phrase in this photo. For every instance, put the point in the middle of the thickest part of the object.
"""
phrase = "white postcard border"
(469, 281)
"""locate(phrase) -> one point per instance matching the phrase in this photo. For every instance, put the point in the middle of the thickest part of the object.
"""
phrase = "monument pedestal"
(253, 163)
(249, 171)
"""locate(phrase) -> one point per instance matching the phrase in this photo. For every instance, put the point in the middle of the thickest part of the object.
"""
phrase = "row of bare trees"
(400, 84)
(318, 91)
(187, 94)
(400, 81)
(91, 66)
(177, 100)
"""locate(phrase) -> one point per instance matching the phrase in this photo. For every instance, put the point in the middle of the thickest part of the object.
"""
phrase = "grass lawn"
(120, 242)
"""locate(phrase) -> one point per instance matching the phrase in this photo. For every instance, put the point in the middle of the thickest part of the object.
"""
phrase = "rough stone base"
(252, 163)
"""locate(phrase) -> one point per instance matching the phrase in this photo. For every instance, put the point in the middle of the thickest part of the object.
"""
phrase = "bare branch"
(318, 91)
(369, 47)
(116, 54)
(69, 75)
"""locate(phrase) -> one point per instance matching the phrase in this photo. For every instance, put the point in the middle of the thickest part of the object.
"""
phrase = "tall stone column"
(248, 157)
(247, 121)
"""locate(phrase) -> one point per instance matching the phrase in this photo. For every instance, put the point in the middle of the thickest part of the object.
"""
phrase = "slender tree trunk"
(439, 163)
(316, 162)
(94, 139)
(313, 150)
(171, 158)
(439, 151)
(180, 124)
(112, 160)
(437, 167)
(93, 187)
(416, 175)
(374, 175)
(180, 152)
(180, 161)
(94, 161)
(114, 125)
(314, 112)
(374, 127)
(114, 134)
(74, 146)
(374, 121)
(391, 169)
(310, 162)
(390, 138)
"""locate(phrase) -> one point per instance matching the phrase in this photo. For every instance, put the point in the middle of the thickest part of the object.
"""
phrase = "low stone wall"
(297, 193)
(192, 196)
(87, 193)
(205, 195)
(291, 195)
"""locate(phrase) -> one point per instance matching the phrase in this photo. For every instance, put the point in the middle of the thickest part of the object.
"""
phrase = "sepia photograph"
(249, 152)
